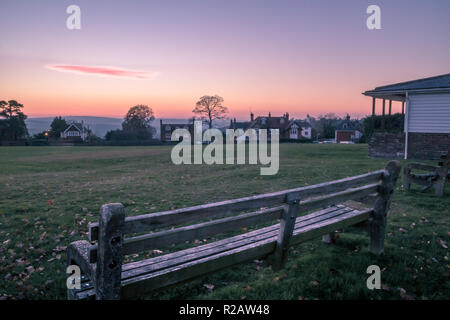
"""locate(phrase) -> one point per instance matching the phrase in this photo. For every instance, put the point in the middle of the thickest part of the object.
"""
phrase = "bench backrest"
(227, 215)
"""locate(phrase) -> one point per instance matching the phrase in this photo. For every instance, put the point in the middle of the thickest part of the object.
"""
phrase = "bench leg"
(406, 183)
(329, 238)
(109, 252)
(287, 224)
(439, 187)
(381, 207)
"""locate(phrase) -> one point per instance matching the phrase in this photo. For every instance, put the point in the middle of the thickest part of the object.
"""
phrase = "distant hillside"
(99, 125)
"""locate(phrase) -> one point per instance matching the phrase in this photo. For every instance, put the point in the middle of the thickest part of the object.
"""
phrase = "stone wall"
(387, 145)
(420, 145)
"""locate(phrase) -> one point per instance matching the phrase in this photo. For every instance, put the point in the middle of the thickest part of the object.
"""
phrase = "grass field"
(49, 194)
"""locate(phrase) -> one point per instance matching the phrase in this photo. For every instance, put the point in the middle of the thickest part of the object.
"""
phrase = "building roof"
(76, 125)
(263, 122)
(396, 91)
(348, 125)
(302, 123)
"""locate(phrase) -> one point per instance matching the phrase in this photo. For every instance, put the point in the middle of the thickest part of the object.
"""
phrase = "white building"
(75, 130)
(426, 107)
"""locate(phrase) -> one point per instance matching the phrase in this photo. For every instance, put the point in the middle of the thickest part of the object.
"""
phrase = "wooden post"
(384, 112)
(390, 107)
(329, 238)
(381, 207)
(109, 253)
(406, 181)
(287, 224)
(442, 172)
(403, 107)
(373, 113)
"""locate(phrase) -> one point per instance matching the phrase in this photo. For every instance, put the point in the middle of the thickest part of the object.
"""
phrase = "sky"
(302, 57)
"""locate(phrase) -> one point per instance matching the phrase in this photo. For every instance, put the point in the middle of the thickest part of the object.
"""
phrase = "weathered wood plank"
(147, 222)
(170, 260)
(229, 242)
(195, 268)
(93, 254)
(189, 233)
(165, 238)
(199, 231)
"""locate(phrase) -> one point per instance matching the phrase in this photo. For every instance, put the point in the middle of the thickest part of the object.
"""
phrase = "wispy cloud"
(104, 71)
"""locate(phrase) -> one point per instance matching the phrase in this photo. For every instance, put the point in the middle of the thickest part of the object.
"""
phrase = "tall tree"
(210, 108)
(57, 126)
(13, 126)
(137, 122)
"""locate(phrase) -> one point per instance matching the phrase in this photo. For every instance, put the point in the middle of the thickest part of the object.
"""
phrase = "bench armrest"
(420, 166)
(78, 253)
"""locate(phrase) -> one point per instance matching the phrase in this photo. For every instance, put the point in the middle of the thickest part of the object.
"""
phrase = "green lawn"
(49, 194)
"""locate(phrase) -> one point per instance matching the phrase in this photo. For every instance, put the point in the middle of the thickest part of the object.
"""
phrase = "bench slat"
(147, 222)
(156, 264)
(223, 242)
(228, 258)
(189, 233)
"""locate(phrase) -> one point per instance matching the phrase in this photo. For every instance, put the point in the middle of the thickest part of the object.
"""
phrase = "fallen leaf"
(210, 287)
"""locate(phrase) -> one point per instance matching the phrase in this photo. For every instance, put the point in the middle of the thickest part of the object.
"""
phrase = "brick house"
(347, 131)
(166, 129)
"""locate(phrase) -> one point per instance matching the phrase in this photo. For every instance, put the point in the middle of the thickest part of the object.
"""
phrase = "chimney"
(348, 117)
(252, 116)
(287, 116)
(269, 115)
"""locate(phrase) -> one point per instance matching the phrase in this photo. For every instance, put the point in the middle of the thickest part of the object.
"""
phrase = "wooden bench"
(297, 215)
(435, 177)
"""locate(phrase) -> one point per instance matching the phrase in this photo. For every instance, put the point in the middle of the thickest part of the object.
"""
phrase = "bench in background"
(296, 215)
(434, 178)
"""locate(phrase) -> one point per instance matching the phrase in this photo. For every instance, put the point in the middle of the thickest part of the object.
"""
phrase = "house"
(306, 129)
(166, 129)
(76, 131)
(426, 109)
(347, 131)
(288, 128)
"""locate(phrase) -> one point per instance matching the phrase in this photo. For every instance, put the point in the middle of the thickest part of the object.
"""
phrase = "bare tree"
(210, 108)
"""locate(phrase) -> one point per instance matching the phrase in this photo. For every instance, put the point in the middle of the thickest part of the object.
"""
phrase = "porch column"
(384, 112)
(373, 113)
(390, 107)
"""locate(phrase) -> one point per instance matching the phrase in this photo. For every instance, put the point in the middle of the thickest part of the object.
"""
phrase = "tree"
(13, 126)
(210, 108)
(135, 126)
(57, 126)
(138, 118)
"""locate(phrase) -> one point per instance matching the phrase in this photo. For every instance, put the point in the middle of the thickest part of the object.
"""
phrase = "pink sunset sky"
(262, 56)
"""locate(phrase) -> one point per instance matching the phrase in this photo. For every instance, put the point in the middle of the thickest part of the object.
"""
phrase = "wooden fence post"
(381, 207)
(109, 253)
(287, 224)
